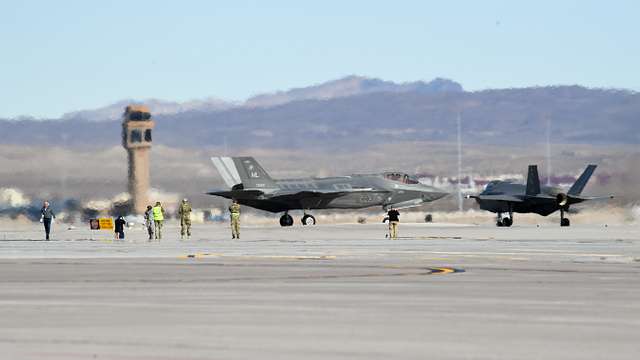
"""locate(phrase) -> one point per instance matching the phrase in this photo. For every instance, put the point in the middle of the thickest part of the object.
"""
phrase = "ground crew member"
(394, 220)
(47, 218)
(119, 227)
(158, 219)
(185, 218)
(148, 221)
(234, 209)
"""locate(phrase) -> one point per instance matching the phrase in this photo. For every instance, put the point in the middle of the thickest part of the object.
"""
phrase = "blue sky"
(60, 56)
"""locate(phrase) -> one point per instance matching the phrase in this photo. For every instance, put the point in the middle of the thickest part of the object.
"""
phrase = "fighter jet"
(250, 185)
(506, 197)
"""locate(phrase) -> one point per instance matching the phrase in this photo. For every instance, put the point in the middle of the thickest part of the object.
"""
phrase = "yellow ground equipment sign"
(101, 224)
(106, 223)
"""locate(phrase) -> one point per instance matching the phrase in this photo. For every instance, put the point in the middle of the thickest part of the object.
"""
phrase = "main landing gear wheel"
(308, 220)
(286, 220)
(499, 223)
(563, 220)
(507, 222)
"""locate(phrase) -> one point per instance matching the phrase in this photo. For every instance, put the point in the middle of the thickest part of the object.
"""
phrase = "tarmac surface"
(330, 291)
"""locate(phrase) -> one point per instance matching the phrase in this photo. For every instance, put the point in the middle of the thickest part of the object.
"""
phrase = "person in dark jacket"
(119, 227)
(47, 218)
(394, 220)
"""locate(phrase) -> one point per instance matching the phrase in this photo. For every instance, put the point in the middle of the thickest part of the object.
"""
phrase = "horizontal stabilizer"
(574, 199)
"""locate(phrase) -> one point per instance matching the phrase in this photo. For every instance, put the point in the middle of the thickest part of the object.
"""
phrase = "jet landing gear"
(563, 220)
(506, 221)
(286, 220)
(308, 220)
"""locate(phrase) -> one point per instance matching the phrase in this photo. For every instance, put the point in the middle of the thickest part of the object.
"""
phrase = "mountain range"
(355, 112)
(347, 86)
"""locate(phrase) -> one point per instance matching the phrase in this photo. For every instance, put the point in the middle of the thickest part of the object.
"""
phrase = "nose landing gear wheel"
(286, 220)
(308, 220)
(507, 222)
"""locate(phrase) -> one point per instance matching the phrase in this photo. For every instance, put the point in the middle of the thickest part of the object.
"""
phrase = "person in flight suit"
(234, 209)
(394, 220)
(185, 218)
(47, 218)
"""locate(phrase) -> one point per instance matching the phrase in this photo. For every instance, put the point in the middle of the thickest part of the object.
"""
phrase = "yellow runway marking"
(444, 270)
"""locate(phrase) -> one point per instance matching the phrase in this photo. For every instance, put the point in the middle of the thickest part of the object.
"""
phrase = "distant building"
(136, 138)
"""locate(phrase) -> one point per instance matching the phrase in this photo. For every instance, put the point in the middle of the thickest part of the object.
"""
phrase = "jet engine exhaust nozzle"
(562, 199)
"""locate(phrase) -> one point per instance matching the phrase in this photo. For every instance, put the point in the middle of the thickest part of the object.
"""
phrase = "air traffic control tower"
(136, 138)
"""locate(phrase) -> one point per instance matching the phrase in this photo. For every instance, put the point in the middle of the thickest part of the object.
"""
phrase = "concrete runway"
(330, 291)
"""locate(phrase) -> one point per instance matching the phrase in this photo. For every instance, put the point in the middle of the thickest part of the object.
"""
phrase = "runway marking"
(289, 257)
(477, 254)
(441, 271)
(200, 255)
(286, 257)
(430, 237)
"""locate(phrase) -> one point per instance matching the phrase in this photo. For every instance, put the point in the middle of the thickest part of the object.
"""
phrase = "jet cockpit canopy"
(401, 178)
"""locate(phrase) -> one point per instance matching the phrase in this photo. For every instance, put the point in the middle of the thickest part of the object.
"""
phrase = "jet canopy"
(401, 178)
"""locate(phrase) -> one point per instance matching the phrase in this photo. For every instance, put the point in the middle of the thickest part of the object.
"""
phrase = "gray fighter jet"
(251, 185)
(506, 197)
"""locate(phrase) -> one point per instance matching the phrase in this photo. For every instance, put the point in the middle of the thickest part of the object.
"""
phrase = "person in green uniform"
(185, 218)
(148, 221)
(158, 219)
(234, 209)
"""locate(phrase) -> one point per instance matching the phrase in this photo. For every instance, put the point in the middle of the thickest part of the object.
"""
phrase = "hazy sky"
(60, 56)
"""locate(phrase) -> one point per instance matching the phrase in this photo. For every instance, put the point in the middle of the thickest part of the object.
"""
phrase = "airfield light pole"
(548, 151)
(459, 161)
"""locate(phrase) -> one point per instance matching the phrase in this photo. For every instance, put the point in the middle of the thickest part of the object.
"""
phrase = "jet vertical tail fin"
(533, 181)
(243, 170)
(578, 186)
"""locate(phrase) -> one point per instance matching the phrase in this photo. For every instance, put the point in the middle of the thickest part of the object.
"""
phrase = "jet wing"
(509, 198)
(292, 195)
(324, 194)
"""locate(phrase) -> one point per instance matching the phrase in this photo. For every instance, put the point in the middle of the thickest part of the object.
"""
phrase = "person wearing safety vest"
(158, 219)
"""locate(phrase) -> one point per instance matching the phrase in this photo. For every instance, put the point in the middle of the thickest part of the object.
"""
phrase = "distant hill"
(356, 112)
(350, 86)
(159, 107)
